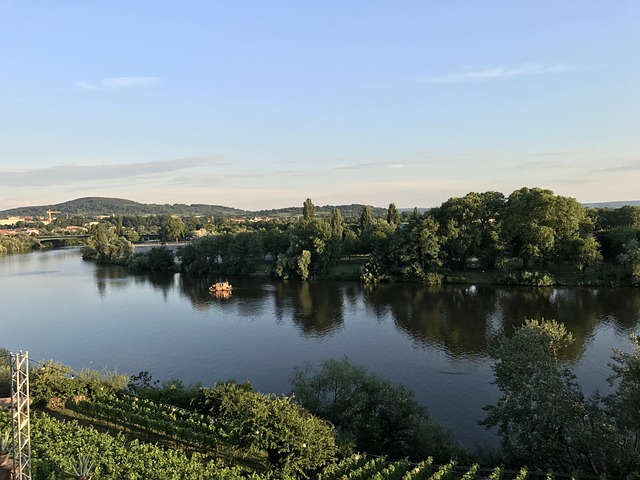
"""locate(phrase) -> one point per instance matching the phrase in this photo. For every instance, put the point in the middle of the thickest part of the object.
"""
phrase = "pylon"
(20, 424)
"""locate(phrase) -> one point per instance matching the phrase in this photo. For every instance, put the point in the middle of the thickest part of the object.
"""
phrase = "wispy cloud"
(69, 174)
(500, 73)
(542, 165)
(359, 166)
(628, 167)
(368, 165)
(117, 83)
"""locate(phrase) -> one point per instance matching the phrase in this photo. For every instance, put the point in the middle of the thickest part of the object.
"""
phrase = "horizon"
(261, 105)
(400, 208)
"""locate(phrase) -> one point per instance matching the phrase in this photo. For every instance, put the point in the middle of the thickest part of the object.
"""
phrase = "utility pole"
(20, 424)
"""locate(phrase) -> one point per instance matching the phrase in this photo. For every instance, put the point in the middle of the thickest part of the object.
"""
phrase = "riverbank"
(606, 274)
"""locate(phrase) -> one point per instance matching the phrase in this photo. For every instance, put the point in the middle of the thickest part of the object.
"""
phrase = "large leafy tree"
(173, 229)
(539, 225)
(312, 251)
(470, 227)
(296, 441)
(104, 246)
(631, 257)
(414, 249)
(378, 416)
(225, 253)
(542, 416)
(624, 405)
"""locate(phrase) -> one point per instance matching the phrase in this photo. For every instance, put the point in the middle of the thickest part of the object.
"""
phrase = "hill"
(634, 203)
(96, 206)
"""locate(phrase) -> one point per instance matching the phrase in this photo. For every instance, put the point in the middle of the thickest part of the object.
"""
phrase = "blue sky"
(261, 104)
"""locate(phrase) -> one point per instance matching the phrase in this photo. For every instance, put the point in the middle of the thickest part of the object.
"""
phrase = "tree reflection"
(196, 290)
(113, 276)
(160, 281)
(452, 317)
(466, 321)
(317, 309)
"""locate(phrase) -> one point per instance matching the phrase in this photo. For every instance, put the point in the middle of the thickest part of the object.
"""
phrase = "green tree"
(613, 241)
(470, 227)
(5, 373)
(366, 218)
(336, 223)
(539, 225)
(378, 416)
(308, 210)
(542, 417)
(156, 258)
(296, 442)
(225, 253)
(583, 252)
(414, 249)
(243, 254)
(303, 263)
(104, 246)
(315, 238)
(631, 257)
(173, 229)
(624, 406)
(375, 237)
(349, 243)
(393, 216)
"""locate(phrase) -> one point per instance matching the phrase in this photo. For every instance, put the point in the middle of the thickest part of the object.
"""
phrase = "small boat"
(220, 287)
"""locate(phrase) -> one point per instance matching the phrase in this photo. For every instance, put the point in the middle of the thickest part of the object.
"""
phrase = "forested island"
(532, 237)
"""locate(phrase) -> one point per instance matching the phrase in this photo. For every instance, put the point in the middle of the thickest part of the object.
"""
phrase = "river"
(435, 340)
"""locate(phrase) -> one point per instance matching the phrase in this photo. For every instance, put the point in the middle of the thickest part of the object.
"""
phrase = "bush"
(53, 384)
(432, 278)
(157, 258)
(5, 373)
(295, 441)
(380, 417)
(170, 392)
(532, 279)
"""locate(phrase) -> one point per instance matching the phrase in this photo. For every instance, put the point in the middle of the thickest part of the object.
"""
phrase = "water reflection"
(455, 318)
(468, 320)
(114, 277)
(196, 290)
(464, 321)
(162, 282)
(171, 326)
(317, 309)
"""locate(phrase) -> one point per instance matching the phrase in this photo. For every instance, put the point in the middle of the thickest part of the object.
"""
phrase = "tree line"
(520, 237)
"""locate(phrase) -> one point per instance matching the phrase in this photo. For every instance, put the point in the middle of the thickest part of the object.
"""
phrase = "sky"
(261, 104)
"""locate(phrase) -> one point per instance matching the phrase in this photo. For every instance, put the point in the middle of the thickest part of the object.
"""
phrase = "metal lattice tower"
(20, 425)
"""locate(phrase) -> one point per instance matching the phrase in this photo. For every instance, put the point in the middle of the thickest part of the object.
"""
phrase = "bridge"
(60, 238)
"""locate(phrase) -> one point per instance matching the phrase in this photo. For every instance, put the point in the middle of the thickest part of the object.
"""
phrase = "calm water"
(435, 340)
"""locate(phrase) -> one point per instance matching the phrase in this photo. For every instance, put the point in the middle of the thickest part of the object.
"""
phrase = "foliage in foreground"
(55, 445)
(545, 421)
(296, 441)
(376, 415)
(53, 384)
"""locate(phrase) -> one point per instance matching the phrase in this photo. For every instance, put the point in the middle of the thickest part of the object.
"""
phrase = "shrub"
(378, 416)
(296, 441)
